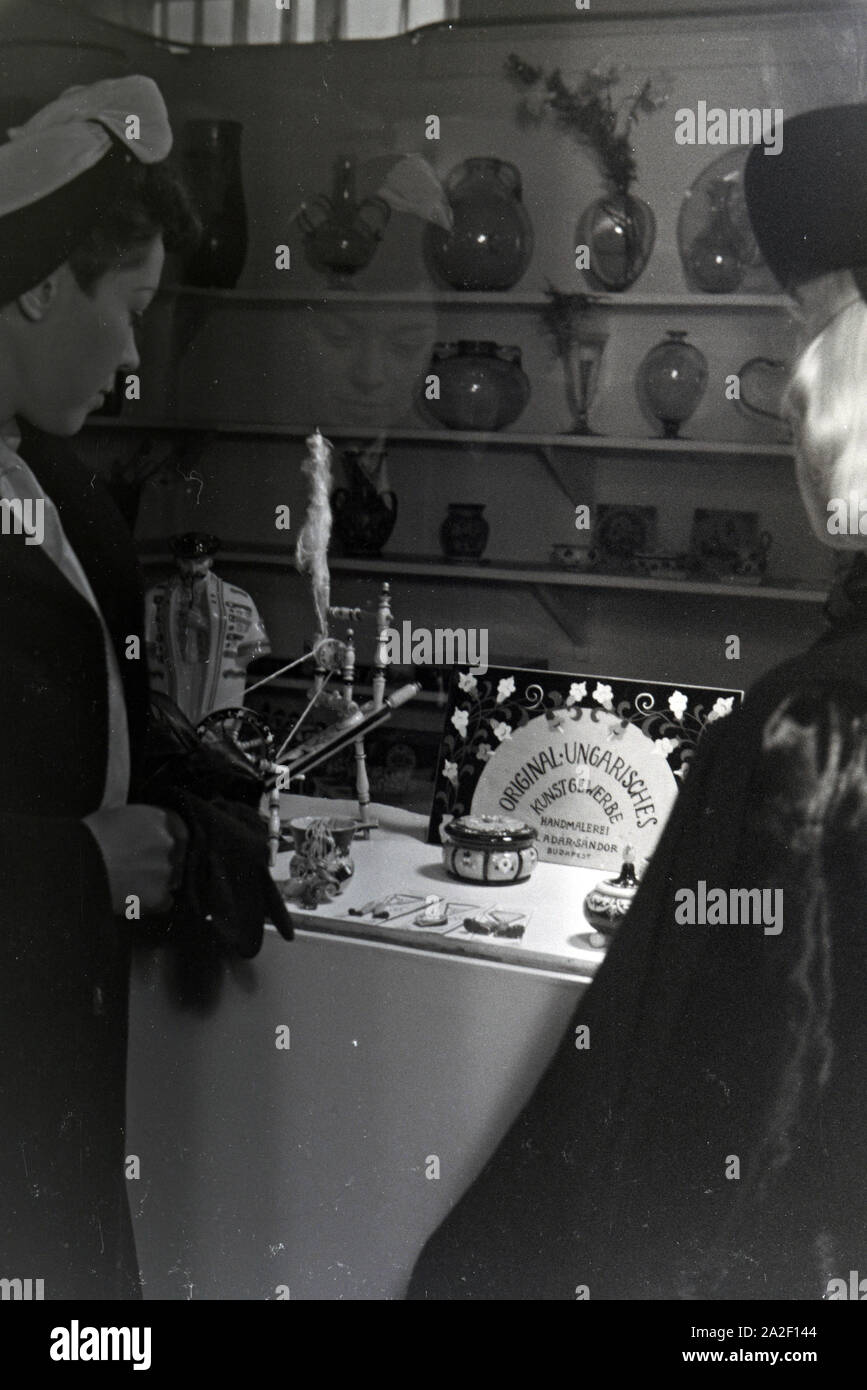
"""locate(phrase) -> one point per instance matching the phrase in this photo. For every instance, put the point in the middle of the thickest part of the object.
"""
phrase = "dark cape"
(617, 1179)
(64, 958)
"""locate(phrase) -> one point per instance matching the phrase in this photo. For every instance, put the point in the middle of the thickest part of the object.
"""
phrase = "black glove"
(174, 757)
(225, 898)
(226, 885)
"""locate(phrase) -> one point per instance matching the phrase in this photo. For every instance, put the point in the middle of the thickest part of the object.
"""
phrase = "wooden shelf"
(501, 572)
(506, 299)
(594, 444)
(498, 573)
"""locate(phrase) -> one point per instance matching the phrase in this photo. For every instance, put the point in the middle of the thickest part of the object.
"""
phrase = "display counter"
(305, 1137)
(397, 861)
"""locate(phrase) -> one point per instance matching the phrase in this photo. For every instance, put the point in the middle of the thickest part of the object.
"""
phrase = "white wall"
(299, 107)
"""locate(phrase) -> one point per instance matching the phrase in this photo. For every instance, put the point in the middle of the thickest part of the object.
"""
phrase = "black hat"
(808, 204)
(194, 545)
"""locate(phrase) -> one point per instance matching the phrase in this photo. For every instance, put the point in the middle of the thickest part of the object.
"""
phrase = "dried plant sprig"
(588, 112)
(561, 315)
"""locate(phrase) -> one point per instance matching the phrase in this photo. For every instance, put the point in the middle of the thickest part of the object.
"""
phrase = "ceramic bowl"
(571, 557)
(339, 827)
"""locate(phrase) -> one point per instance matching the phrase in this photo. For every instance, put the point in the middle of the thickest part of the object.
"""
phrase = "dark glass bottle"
(212, 163)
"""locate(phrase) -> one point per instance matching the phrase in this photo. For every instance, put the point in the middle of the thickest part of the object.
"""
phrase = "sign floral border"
(484, 711)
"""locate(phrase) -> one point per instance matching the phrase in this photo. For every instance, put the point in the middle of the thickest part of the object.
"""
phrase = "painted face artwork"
(83, 340)
(365, 366)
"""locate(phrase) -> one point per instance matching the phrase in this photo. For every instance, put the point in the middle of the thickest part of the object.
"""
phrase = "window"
(272, 21)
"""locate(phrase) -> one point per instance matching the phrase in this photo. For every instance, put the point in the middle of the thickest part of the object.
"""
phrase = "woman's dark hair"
(151, 200)
(809, 824)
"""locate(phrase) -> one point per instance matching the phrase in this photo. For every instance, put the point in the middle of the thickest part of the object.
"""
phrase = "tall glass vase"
(581, 367)
(619, 231)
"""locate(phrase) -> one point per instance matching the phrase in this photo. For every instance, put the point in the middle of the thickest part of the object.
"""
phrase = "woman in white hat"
(87, 209)
(711, 1142)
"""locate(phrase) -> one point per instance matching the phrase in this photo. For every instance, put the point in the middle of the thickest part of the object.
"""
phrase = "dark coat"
(64, 959)
(612, 1182)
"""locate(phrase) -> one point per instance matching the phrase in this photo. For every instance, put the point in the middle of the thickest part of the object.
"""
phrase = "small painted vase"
(607, 904)
(464, 533)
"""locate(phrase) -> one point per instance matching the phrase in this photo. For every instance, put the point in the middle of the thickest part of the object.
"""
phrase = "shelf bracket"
(189, 315)
(555, 470)
(570, 623)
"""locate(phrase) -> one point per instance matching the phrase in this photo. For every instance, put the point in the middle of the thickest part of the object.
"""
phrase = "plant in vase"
(578, 344)
(618, 229)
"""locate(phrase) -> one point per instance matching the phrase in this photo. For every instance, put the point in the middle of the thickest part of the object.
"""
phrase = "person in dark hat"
(87, 210)
(198, 546)
(711, 1141)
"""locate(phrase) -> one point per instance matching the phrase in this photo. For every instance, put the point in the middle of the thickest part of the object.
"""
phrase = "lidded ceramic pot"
(489, 849)
(606, 905)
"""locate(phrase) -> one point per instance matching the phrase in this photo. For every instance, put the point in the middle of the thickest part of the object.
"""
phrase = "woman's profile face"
(82, 339)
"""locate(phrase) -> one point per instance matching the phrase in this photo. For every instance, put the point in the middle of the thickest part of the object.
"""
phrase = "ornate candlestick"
(384, 620)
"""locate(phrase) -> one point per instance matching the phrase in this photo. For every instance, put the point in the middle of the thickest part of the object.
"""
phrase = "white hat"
(59, 171)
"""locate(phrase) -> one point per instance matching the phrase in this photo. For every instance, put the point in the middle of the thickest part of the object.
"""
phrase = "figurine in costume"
(711, 1141)
(93, 834)
(201, 632)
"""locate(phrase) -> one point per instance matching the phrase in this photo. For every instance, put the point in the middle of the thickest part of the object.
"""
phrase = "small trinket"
(384, 909)
(434, 914)
(318, 867)
(495, 922)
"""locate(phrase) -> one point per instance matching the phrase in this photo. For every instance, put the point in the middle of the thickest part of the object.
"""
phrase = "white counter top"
(396, 859)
